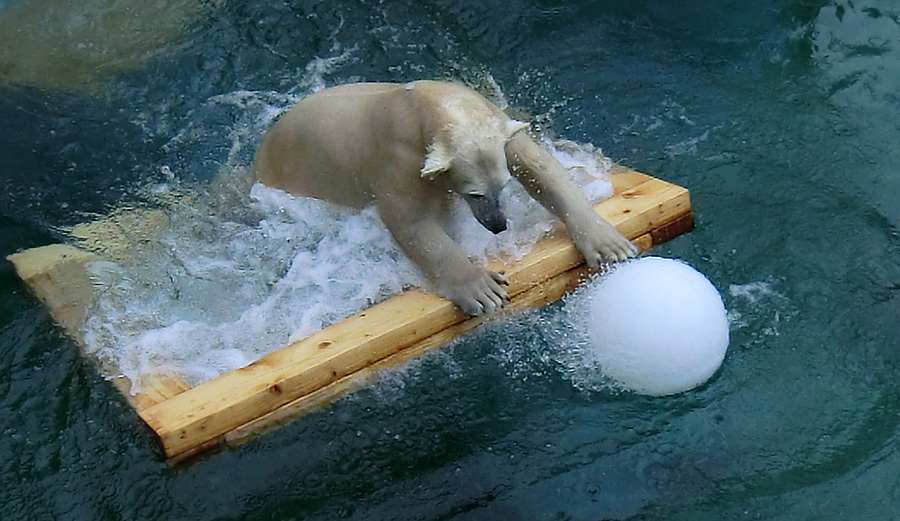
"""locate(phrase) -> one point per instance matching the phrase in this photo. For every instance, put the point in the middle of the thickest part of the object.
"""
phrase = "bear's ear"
(513, 126)
(437, 160)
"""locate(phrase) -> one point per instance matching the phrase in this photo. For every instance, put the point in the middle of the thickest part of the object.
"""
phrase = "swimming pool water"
(780, 116)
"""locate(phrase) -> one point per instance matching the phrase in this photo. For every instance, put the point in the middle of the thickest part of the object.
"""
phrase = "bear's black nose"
(486, 209)
(496, 226)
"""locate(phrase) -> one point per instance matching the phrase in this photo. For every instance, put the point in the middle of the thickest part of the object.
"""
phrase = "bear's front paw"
(479, 291)
(598, 242)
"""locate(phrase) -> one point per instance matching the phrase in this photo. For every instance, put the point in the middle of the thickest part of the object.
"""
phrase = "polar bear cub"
(407, 149)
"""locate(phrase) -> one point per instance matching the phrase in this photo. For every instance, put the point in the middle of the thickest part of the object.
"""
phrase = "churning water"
(780, 116)
(203, 279)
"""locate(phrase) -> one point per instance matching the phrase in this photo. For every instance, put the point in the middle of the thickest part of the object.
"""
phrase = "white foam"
(565, 341)
(753, 292)
(760, 308)
(210, 296)
(227, 278)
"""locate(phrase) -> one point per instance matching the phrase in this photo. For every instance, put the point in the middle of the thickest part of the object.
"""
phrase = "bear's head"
(471, 159)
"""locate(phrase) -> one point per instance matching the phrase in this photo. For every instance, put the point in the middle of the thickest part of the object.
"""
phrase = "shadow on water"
(772, 113)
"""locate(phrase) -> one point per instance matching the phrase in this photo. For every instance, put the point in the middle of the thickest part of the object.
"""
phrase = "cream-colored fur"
(405, 148)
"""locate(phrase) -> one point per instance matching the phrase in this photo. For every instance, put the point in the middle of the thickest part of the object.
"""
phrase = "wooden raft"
(287, 383)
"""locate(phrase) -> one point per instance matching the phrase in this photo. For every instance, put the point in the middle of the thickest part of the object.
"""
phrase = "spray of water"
(204, 278)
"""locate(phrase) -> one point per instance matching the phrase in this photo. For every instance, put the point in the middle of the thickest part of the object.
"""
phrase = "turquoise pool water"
(780, 116)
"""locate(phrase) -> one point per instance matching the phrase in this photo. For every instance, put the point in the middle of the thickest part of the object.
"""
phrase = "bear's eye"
(475, 195)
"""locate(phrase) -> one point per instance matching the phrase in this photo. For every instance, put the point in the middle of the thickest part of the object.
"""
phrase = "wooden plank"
(57, 276)
(314, 371)
(414, 320)
(158, 390)
(537, 296)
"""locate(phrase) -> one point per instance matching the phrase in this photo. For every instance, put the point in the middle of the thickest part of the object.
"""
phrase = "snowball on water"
(658, 326)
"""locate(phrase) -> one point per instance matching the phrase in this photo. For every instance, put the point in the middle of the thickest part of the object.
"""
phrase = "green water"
(780, 116)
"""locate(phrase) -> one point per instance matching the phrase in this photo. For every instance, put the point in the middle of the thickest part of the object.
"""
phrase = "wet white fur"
(405, 148)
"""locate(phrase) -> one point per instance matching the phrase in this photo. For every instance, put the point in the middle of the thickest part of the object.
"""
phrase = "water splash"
(202, 278)
(759, 308)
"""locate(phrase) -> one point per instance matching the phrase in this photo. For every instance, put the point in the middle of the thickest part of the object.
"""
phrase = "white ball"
(657, 326)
